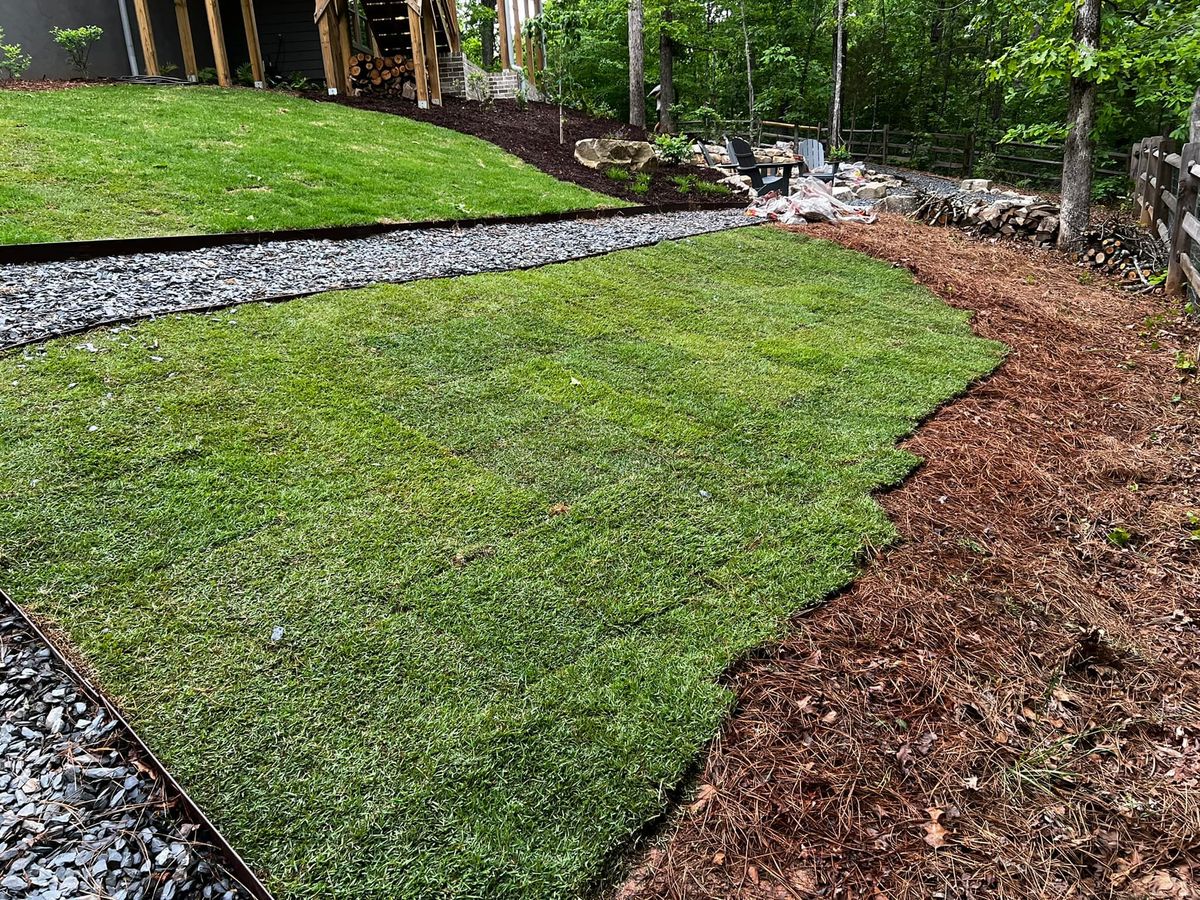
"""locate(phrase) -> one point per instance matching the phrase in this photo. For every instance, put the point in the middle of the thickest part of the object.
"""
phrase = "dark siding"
(290, 42)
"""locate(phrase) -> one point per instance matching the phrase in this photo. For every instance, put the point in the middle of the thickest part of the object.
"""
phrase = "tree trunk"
(835, 112)
(749, 67)
(1080, 147)
(666, 74)
(637, 66)
(487, 34)
(1194, 124)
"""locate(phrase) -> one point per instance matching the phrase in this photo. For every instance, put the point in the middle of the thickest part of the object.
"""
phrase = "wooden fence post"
(1186, 195)
(883, 153)
(1142, 194)
(1162, 169)
(969, 155)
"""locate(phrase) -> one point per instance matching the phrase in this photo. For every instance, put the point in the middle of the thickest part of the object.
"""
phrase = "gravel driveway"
(42, 300)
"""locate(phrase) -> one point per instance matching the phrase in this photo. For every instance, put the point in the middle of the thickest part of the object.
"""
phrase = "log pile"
(1124, 251)
(1016, 216)
(382, 74)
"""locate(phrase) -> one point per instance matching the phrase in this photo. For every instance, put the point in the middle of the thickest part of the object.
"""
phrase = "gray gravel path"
(38, 301)
(78, 818)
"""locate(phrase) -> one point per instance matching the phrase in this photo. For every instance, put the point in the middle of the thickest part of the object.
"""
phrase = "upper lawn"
(514, 526)
(126, 160)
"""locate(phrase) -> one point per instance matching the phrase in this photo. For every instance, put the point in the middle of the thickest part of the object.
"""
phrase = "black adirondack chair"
(708, 159)
(747, 165)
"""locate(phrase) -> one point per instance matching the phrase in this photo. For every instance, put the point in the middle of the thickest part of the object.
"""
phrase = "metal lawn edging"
(59, 251)
(187, 808)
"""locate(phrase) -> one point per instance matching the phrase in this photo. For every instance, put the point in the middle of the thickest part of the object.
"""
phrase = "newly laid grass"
(128, 160)
(513, 528)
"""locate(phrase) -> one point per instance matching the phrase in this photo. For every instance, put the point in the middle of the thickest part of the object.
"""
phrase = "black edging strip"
(186, 807)
(58, 251)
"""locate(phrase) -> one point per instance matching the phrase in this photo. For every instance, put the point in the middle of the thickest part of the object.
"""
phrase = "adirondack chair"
(747, 165)
(813, 153)
(708, 160)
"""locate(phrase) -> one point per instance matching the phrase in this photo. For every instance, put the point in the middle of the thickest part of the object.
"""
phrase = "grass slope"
(126, 160)
(473, 697)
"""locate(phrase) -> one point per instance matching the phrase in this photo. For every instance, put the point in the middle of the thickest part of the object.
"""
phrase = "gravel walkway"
(937, 185)
(78, 817)
(38, 301)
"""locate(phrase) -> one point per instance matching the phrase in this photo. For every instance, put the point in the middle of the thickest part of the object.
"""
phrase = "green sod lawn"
(513, 526)
(129, 160)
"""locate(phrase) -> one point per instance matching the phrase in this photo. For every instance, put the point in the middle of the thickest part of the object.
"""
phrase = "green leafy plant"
(13, 62)
(78, 43)
(839, 153)
(1120, 536)
(207, 75)
(479, 84)
(167, 68)
(713, 189)
(521, 97)
(674, 150)
(1110, 190)
(616, 173)
(1186, 363)
(684, 183)
(641, 184)
(244, 75)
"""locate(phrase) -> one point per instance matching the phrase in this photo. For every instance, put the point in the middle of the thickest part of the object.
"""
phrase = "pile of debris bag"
(811, 200)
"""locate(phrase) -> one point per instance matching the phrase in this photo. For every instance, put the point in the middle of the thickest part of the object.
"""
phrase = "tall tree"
(487, 32)
(839, 66)
(1079, 149)
(666, 73)
(749, 64)
(1194, 118)
(637, 65)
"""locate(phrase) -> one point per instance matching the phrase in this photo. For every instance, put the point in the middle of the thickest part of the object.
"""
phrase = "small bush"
(167, 68)
(685, 184)
(673, 150)
(616, 173)
(78, 43)
(839, 153)
(13, 62)
(207, 75)
(1110, 190)
(641, 184)
(244, 75)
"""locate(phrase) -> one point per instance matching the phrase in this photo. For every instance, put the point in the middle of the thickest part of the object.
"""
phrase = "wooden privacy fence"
(1166, 181)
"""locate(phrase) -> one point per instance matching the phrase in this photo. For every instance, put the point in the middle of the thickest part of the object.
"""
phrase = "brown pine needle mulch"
(1007, 703)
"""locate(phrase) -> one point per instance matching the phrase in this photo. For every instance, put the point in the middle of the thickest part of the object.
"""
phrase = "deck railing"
(1166, 182)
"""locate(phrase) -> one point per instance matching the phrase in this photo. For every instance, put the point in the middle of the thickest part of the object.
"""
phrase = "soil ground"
(1007, 703)
(531, 134)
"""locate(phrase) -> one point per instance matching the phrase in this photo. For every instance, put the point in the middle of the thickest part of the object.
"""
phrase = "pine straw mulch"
(1006, 703)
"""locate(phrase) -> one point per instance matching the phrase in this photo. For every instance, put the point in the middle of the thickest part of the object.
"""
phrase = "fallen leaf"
(719, 858)
(560, 509)
(703, 797)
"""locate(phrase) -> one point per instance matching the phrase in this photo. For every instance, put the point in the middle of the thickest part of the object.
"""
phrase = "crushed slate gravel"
(80, 817)
(937, 185)
(42, 300)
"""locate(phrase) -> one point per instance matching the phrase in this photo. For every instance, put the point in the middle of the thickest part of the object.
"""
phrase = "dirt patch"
(531, 134)
(1007, 703)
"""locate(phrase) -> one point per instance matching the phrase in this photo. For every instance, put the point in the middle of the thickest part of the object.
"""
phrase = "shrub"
(1110, 190)
(673, 150)
(839, 153)
(78, 43)
(244, 75)
(13, 62)
(207, 75)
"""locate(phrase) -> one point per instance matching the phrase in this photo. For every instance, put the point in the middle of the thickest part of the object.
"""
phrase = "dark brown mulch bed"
(531, 134)
(1007, 703)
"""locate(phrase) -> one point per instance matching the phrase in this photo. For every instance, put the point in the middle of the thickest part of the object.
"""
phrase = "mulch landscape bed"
(531, 134)
(1007, 703)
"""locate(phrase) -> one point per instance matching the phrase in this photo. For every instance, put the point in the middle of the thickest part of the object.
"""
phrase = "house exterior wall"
(289, 38)
(28, 23)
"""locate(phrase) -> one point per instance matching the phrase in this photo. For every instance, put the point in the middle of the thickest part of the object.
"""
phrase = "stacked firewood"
(1125, 251)
(1016, 216)
(380, 74)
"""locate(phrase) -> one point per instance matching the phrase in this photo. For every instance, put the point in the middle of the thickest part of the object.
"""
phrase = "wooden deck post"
(212, 9)
(429, 39)
(186, 44)
(252, 42)
(146, 32)
(452, 26)
(502, 28)
(419, 66)
(335, 45)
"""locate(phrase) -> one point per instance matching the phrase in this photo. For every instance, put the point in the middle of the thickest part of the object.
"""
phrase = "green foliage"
(838, 153)
(1112, 189)
(641, 183)
(13, 61)
(673, 149)
(244, 75)
(207, 75)
(617, 173)
(514, 527)
(713, 188)
(1120, 536)
(125, 160)
(78, 43)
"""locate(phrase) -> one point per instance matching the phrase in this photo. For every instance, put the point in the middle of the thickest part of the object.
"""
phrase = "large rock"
(601, 153)
(843, 193)
(905, 204)
(975, 185)
(871, 190)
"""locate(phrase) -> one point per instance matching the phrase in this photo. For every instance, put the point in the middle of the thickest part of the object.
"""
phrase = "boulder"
(843, 193)
(871, 190)
(905, 204)
(737, 182)
(975, 185)
(601, 153)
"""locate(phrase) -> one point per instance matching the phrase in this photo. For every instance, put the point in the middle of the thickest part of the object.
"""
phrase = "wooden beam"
(146, 32)
(212, 9)
(185, 39)
(429, 36)
(419, 68)
(253, 44)
(452, 29)
(327, 32)
(343, 31)
(502, 28)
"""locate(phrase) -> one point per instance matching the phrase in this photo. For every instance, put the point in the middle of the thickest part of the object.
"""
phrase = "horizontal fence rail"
(955, 154)
(1166, 185)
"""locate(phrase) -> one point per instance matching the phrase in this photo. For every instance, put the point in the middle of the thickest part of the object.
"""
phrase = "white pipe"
(133, 65)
